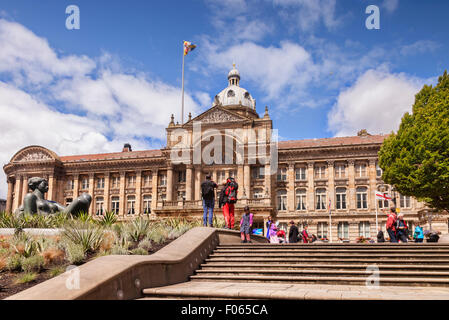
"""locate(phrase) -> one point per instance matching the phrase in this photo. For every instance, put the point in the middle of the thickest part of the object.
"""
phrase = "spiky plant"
(89, 237)
(108, 219)
(137, 229)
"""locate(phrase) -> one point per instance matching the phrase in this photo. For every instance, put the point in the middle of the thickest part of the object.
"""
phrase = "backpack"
(231, 190)
(207, 190)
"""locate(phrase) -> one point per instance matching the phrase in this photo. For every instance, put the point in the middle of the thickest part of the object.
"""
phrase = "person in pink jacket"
(245, 225)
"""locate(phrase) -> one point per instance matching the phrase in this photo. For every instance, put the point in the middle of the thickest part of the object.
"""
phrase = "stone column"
(267, 178)
(154, 183)
(106, 204)
(25, 188)
(372, 184)
(247, 180)
(189, 178)
(198, 183)
(291, 187)
(76, 185)
(351, 177)
(9, 197)
(240, 178)
(331, 185)
(51, 187)
(92, 192)
(122, 203)
(169, 183)
(138, 191)
(310, 187)
(17, 192)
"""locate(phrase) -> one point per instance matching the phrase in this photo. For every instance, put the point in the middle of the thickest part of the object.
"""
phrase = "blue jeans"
(392, 235)
(208, 207)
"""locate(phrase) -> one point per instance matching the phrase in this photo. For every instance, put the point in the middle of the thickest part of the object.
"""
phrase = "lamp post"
(393, 194)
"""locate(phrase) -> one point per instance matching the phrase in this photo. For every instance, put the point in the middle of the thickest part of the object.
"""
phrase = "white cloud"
(390, 5)
(76, 104)
(419, 47)
(308, 14)
(376, 102)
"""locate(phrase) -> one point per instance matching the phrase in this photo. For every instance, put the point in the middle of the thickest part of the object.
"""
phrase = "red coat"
(391, 221)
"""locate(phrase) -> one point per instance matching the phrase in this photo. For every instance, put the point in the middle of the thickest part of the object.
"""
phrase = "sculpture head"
(38, 183)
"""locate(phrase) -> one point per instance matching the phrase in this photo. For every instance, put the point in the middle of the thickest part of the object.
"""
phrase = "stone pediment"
(34, 154)
(218, 115)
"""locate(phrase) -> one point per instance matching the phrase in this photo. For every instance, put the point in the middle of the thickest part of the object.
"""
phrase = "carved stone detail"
(218, 116)
(34, 156)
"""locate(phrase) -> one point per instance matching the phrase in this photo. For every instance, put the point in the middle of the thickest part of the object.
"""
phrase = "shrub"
(26, 249)
(119, 250)
(33, 263)
(108, 241)
(14, 262)
(137, 229)
(108, 219)
(56, 271)
(27, 277)
(2, 263)
(145, 244)
(87, 236)
(53, 256)
(158, 234)
(75, 253)
(139, 251)
(84, 217)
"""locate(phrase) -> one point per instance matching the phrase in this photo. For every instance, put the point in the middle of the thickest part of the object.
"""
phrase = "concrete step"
(321, 273)
(319, 250)
(397, 246)
(342, 255)
(317, 266)
(390, 281)
(327, 260)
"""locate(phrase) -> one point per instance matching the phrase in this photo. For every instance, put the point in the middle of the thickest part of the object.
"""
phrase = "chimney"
(127, 148)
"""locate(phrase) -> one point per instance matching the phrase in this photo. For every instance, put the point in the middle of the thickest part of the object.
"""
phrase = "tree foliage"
(416, 159)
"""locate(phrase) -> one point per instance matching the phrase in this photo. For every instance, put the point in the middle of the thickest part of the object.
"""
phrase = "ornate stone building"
(313, 176)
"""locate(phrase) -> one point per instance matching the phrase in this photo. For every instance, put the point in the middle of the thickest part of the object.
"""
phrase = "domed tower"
(236, 98)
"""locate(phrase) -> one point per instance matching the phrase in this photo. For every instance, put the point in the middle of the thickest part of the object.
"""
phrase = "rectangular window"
(163, 180)
(282, 174)
(362, 198)
(405, 201)
(282, 200)
(320, 172)
(131, 181)
(300, 174)
(322, 230)
(100, 183)
(379, 171)
(301, 199)
(321, 199)
(147, 204)
(70, 184)
(340, 198)
(115, 182)
(258, 193)
(182, 176)
(99, 206)
(85, 184)
(343, 230)
(131, 205)
(115, 204)
(364, 229)
(147, 180)
(258, 172)
(340, 171)
(360, 170)
(221, 175)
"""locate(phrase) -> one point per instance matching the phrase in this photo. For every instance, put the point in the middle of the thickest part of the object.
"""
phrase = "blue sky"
(118, 78)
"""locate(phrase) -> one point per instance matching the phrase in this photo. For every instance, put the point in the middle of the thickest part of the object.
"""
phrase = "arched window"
(322, 230)
(99, 204)
(131, 205)
(115, 203)
(147, 204)
(364, 229)
(343, 230)
(362, 197)
(321, 199)
(231, 94)
(340, 197)
(246, 95)
(301, 199)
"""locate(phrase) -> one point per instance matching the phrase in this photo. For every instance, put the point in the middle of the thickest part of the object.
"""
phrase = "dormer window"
(231, 94)
(247, 95)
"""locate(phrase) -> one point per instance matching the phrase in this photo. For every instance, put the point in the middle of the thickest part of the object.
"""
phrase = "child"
(245, 225)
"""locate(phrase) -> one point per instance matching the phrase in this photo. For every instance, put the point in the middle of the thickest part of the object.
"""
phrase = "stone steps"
(281, 260)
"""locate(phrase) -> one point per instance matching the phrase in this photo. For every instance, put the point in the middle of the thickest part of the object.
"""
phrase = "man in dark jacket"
(208, 195)
(380, 236)
(293, 233)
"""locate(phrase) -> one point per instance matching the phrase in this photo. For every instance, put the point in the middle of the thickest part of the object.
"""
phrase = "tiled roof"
(113, 156)
(332, 142)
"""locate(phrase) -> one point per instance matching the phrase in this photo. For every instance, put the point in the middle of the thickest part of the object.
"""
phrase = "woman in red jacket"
(391, 224)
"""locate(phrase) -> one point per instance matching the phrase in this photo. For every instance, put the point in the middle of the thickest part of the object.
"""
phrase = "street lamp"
(393, 194)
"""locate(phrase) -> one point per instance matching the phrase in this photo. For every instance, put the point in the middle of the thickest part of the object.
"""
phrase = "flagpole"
(377, 212)
(330, 223)
(182, 111)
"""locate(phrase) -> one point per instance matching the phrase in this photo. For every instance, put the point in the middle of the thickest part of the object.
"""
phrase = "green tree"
(416, 159)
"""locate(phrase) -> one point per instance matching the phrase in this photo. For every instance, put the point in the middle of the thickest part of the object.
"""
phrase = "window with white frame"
(385, 190)
(100, 183)
(147, 180)
(258, 172)
(99, 206)
(85, 183)
(320, 199)
(300, 199)
(343, 230)
(131, 181)
(340, 197)
(405, 201)
(282, 174)
(340, 171)
(115, 182)
(258, 193)
(182, 176)
(163, 179)
(320, 172)
(362, 197)
(147, 204)
(364, 229)
(322, 230)
(115, 204)
(282, 200)
(131, 205)
(301, 173)
(70, 184)
(379, 171)
(360, 170)
(221, 175)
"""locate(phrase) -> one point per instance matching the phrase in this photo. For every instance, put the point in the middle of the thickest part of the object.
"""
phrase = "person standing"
(268, 225)
(245, 225)
(228, 198)
(418, 234)
(306, 238)
(293, 233)
(402, 229)
(391, 225)
(208, 195)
